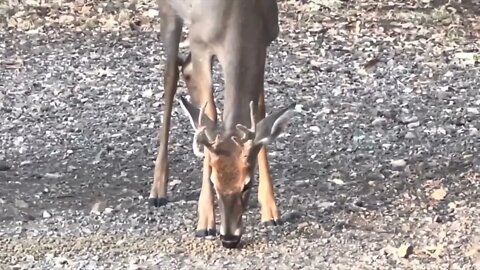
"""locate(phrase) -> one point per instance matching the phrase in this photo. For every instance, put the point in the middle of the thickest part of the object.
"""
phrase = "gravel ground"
(380, 169)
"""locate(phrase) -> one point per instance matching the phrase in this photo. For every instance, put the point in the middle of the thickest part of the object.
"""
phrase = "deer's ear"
(193, 114)
(270, 127)
(190, 111)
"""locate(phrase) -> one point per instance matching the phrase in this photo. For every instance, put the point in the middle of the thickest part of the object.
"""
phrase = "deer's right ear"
(270, 127)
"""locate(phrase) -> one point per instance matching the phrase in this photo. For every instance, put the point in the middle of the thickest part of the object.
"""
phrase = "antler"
(201, 137)
(248, 133)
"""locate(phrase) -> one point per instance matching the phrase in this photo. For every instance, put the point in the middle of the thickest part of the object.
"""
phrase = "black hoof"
(210, 233)
(157, 202)
(272, 222)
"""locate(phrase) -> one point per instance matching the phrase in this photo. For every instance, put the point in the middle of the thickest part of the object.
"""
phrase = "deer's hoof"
(157, 202)
(272, 222)
(208, 234)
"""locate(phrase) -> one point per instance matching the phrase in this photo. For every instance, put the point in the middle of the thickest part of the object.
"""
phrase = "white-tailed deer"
(238, 33)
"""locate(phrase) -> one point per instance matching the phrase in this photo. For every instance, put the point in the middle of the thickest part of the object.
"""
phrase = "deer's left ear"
(269, 128)
(193, 113)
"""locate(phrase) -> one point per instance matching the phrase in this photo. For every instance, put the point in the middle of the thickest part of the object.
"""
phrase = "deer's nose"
(230, 241)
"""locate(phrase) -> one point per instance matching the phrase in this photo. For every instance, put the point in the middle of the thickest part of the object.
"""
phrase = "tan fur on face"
(229, 171)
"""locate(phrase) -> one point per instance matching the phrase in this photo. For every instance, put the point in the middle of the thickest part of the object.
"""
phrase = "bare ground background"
(380, 169)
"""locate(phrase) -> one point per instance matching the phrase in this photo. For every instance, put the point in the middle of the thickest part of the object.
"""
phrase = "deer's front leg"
(196, 71)
(171, 31)
(266, 197)
(206, 212)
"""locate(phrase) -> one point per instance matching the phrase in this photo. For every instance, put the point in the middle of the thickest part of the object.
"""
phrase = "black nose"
(230, 241)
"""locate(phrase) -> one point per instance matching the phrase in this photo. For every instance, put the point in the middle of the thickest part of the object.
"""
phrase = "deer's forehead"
(229, 170)
(228, 164)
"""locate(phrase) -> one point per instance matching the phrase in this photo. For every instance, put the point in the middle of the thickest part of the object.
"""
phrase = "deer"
(237, 33)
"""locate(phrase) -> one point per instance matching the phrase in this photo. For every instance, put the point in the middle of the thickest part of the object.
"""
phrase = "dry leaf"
(405, 250)
(369, 67)
(66, 19)
(439, 194)
(86, 10)
(98, 207)
(468, 58)
(434, 251)
(473, 251)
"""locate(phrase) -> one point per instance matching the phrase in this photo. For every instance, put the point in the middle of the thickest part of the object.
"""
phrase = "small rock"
(30, 258)
(152, 13)
(325, 205)
(473, 131)
(337, 181)
(53, 175)
(409, 135)
(439, 194)
(405, 250)
(314, 128)
(25, 163)
(49, 256)
(18, 141)
(174, 182)
(98, 208)
(398, 163)
(109, 210)
(379, 121)
(413, 124)
(473, 110)
(147, 93)
(21, 204)
(409, 119)
(46, 214)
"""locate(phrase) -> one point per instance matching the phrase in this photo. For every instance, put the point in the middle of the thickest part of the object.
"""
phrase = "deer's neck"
(237, 109)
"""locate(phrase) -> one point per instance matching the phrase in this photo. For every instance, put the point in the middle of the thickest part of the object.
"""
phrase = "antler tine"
(200, 115)
(252, 117)
(248, 133)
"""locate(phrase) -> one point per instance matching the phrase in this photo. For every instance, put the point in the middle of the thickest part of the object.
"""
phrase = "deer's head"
(233, 158)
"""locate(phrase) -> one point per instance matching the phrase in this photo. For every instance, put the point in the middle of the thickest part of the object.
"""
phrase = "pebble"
(410, 135)
(314, 128)
(337, 181)
(398, 163)
(473, 110)
(379, 121)
(98, 208)
(46, 214)
(413, 124)
(21, 204)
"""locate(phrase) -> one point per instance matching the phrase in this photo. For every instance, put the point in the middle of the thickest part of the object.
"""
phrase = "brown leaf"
(439, 194)
(369, 67)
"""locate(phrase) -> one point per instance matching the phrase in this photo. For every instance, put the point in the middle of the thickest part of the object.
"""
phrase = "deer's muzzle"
(231, 212)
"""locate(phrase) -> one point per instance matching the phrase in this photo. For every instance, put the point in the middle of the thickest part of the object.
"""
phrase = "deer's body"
(238, 33)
